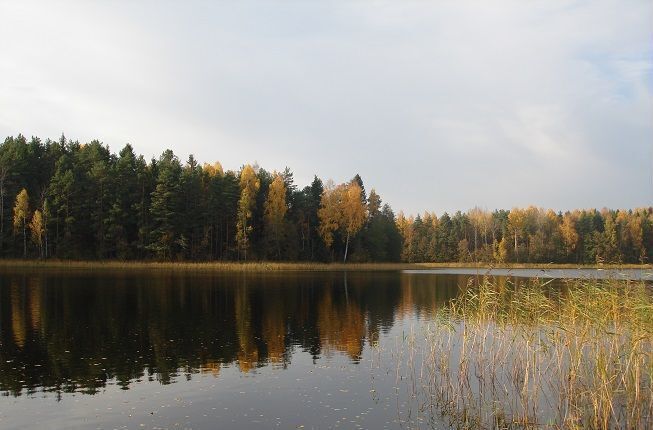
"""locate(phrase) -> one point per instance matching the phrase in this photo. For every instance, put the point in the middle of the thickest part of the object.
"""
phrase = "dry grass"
(201, 267)
(507, 356)
(264, 266)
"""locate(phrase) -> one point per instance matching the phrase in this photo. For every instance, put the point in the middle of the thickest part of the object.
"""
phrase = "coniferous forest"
(66, 200)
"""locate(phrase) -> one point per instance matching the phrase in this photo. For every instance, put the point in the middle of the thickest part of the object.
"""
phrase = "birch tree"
(516, 221)
(249, 186)
(342, 209)
(275, 211)
(21, 213)
(37, 229)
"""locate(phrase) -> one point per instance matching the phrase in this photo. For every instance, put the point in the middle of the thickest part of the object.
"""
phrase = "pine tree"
(165, 206)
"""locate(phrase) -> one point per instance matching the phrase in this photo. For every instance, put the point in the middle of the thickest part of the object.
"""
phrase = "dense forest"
(62, 199)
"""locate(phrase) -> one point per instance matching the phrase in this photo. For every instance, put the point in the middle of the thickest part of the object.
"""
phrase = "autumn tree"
(93, 203)
(516, 222)
(21, 213)
(37, 229)
(342, 209)
(501, 251)
(249, 186)
(329, 212)
(16, 173)
(569, 233)
(477, 219)
(354, 212)
(275, 211)
(405, 227)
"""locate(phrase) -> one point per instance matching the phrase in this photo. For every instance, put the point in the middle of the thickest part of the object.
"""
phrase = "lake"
(109, 349)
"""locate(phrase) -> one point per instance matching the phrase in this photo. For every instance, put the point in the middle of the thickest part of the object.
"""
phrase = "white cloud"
(439, 106)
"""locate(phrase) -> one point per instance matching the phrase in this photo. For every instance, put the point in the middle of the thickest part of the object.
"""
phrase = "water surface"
(80, 349)
(546, 273)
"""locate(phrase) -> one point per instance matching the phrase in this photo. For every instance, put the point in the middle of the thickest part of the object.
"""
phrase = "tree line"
(62, 199)
(531, 235)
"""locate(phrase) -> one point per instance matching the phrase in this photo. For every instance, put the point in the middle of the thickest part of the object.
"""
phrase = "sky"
(438, 105)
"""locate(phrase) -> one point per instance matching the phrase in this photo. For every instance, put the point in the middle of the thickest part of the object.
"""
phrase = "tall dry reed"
(503, 355)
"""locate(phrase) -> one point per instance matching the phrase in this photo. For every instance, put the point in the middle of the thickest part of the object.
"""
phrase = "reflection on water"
(75, 332)
(166, 349)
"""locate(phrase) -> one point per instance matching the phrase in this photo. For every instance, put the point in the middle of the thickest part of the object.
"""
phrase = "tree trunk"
(24, 239)
(515, 246)
(346, 249)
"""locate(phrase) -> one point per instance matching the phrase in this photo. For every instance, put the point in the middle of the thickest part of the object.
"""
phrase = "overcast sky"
(438, 105)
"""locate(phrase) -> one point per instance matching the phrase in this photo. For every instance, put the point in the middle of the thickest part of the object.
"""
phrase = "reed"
(508, 355)
(265, 266)
(201, 266)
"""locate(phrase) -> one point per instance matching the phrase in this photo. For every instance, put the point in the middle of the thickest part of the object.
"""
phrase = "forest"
(67, 200)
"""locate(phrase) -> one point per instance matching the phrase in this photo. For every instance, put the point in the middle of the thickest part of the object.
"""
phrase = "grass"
(504, 355)
(263, 266)
(201, 266)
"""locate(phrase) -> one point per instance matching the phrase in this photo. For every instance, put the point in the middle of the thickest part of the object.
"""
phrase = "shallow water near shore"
(545, 273)
(211, 350)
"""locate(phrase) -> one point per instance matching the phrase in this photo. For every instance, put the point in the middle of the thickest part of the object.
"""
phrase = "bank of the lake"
(267, 266)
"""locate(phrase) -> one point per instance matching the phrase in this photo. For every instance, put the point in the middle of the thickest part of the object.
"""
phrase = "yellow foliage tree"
(354, 212)
(477, 217)
(37, 228)
(214, 169)
(275, 211)
(516, 221)
(21, 213)
(329, 213)
(405, 226)
(249, 186)
(341, 209)
(568, 232)
(501, 251)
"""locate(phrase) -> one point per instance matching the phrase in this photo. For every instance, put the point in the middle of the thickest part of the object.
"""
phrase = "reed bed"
(267, 266)
(213, 266)
(506, 355)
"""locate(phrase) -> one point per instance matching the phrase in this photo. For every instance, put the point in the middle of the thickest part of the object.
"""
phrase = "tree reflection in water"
(77, 332)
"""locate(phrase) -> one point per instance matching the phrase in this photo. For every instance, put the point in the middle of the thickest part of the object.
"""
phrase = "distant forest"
(66, 200)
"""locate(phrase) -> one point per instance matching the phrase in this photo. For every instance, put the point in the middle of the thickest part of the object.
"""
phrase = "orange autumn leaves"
(342, 210)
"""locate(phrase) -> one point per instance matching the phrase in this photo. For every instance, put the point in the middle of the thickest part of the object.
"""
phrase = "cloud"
(439, 106)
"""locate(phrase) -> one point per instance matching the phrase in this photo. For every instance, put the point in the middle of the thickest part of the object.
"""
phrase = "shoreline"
(268, 266)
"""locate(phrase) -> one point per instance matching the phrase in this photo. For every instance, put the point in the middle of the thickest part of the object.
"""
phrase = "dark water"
(165, 350)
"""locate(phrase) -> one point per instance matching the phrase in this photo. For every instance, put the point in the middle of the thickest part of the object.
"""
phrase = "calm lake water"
(170, 350)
